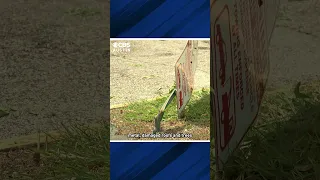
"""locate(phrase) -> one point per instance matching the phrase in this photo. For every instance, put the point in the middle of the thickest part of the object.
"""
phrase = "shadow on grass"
(197, 110)
(281, 148)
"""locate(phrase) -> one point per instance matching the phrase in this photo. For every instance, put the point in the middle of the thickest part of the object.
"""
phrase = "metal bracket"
(158, 118)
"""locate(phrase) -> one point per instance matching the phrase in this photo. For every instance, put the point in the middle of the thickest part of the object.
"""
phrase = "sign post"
(240, 36)
(185, 69)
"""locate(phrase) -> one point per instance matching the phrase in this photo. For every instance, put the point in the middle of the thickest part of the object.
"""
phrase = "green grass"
(285, 142)
(82, 153)
(197, 109)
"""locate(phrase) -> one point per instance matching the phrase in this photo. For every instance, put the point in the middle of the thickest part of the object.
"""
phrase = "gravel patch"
(53, 64)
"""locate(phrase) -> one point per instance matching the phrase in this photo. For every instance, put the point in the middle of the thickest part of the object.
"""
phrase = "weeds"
(284, 145)
(81, 153)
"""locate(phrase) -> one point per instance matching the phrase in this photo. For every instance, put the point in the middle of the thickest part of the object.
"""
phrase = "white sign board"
(185, 69)
(240, 35)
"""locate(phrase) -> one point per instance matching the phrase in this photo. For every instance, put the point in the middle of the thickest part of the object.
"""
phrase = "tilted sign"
(185, 69)
(240, 35)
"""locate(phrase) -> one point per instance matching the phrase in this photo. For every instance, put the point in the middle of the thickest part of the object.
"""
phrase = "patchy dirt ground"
(53, 63)
(18, 164)
(147, 71)
(127, 129)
